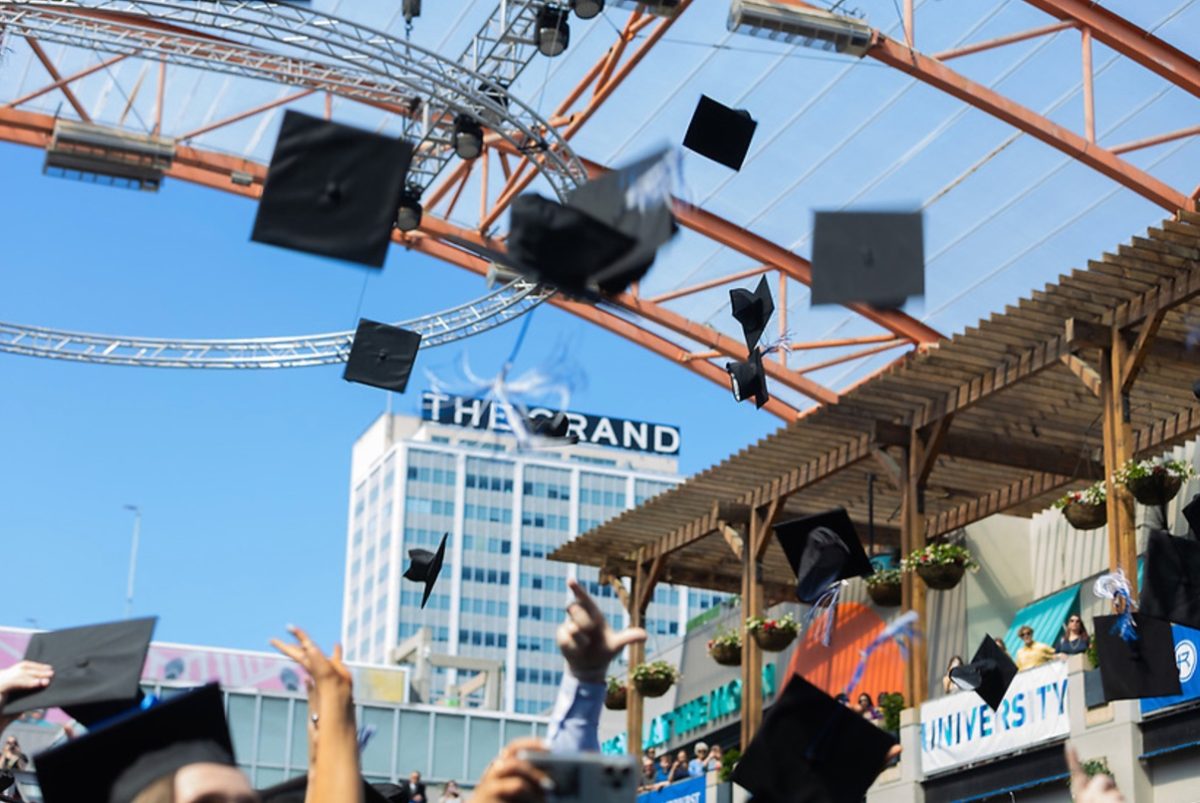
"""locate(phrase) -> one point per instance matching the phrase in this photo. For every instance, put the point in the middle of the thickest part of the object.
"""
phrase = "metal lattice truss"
(423, 91)
(494, 309)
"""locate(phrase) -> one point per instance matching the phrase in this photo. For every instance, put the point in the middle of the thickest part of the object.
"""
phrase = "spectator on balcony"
(649, 776)
(714, 758)
(698, 765)
(948, 685)
(1033, 653)
(663, 773)
(1075, 640)
(679, 770)
(866, 707)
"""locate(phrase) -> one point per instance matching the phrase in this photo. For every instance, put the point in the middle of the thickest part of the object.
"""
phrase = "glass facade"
(499, 597)
(271, 744)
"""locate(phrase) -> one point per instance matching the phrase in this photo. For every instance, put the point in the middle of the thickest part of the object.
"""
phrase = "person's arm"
(336, 777)
(1100, 788)
(588, 645)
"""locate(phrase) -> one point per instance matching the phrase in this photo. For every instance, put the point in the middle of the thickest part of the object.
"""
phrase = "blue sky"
(242, 475)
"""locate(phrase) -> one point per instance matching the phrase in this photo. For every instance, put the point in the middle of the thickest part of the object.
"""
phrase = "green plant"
(730, 638)
(787, 622)
(1094, 766)
(1091, 654)
(884, 577)
(1140, 469)
(891, 704)
(939, 554)
(615, 684)
(729, 760)
(1096, 494)
(657, 670)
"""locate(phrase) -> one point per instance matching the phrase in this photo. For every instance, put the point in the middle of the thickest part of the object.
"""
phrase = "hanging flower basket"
(1083, 516)
(726, 649)
(773, 635)
(942, 576)
(885, 588)
(616, 697)
(940, 565)
(1154, 483)
(655, 678)
(1086, 509)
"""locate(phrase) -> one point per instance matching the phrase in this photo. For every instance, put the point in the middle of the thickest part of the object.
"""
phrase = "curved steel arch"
(368, 65)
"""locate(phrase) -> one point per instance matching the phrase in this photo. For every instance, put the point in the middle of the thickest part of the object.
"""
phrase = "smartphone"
(587, 777)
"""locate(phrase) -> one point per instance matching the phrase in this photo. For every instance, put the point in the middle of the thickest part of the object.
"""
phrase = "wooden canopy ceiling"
(1014, 404)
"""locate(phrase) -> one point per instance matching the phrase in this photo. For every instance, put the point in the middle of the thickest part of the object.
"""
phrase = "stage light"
(468, 137)
(811, 27)
(408, 215)
(586, 9)
(553, 32)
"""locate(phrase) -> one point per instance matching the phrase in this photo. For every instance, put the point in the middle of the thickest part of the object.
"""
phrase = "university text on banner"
(961, 728)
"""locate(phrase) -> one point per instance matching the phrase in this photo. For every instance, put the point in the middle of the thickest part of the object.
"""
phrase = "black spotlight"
(408, 215)
(468, 137)
(553, 33)
(586, 9)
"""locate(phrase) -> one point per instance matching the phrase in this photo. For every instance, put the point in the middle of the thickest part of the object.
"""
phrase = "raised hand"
(587, 642)
(22, 676)
(1100, 788)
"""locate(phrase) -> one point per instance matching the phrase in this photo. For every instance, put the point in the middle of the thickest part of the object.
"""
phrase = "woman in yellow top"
(1034, 653)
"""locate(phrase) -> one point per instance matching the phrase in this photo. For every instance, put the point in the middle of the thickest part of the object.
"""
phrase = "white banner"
(961, 728)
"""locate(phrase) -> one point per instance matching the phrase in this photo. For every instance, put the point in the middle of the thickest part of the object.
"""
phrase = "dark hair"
(870, 702)
(1082, 627)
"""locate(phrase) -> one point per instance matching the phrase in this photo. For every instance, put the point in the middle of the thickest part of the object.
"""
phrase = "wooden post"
(637, 656)
(912, 538)
(758, 535)
(1119, 449)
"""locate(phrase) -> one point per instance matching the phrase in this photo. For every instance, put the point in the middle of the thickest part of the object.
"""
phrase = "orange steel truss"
(647, 321)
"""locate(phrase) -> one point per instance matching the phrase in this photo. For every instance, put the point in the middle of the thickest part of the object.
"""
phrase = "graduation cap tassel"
(826, 605)
(901, 628)
(1115, 586)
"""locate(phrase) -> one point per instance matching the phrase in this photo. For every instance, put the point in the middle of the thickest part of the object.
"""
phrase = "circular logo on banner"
(1185, 659)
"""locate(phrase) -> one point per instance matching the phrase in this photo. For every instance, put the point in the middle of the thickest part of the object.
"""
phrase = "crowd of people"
(587, 644)
(660, 771)
(1032, 653)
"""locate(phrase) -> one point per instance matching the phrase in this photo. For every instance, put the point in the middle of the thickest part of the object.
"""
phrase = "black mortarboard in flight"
(97, 670)
(748, 380)
(989, 674)
(1144, 667)
(1171, 587)
(556, 426)
(720, 133)
(332, 190)
(1191, 512)
(294, 791)
(875, 258)
(116, 762)
(812, 748)
(425, 567)
(382, 355)
(752, 310)
(603, 239)
(822, 549)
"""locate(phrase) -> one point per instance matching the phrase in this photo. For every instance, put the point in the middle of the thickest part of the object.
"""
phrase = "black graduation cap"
(748, 380)
(603, 239)
(989, 674)
(1142, 668)
(116, 762)
(822, 549)
(294, 791)
(332, 190)
(875, 258)
(97, 670)
(382, 355)
(1171, 587)
(752, 310)
(720, 133)
(556, 426)
(812, 748)
(425, 567)
(1191, 512)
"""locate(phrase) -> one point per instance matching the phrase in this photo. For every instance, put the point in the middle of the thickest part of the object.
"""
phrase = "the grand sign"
(598, 430)
(961, 728)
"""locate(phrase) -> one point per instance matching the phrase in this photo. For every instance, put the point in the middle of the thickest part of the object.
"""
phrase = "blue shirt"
(575, 720)
(696, 768)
